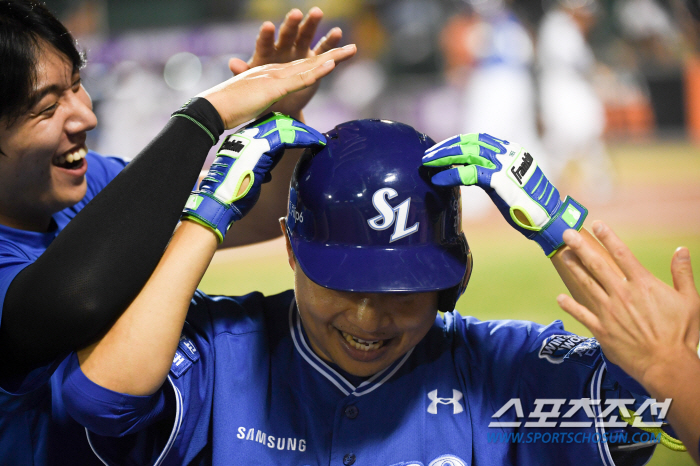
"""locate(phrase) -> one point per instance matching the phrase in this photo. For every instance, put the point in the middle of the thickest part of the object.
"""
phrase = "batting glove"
(511, 177)
(251, 153)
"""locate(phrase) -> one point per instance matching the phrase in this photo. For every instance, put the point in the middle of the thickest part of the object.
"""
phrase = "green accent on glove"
(473, 138)
(193, 202)
(468, 175)
(192, 217)
(515, 210)
(571, 215)
(284, 125)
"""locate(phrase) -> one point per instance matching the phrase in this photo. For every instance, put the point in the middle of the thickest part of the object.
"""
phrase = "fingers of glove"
(307, 30)
(281, 130)
(458, 176)
(493, 143)
(289, 30)
(620, 253)
(265, 43)
(441, 145)
(329, 41)
(458, 154)
(592, 260)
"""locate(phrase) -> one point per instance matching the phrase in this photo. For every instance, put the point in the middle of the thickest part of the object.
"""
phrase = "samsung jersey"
(246, 388)
(34, 427)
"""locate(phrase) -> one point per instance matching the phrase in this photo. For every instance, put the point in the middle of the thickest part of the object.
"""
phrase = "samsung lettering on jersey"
(279, 443)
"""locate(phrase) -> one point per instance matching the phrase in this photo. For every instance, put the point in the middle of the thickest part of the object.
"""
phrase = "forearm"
(573, 284)
(135, 355)
(100, 261)
(678, 378)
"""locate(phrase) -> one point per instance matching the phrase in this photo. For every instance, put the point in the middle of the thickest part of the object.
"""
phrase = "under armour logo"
(454, 401)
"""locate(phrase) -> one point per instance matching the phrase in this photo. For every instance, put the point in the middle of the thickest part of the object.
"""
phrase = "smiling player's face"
(362, 333)
(42, 165)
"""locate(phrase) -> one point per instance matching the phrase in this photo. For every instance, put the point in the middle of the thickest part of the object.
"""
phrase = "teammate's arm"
(135, 355)
(646, 327)
(100, 261)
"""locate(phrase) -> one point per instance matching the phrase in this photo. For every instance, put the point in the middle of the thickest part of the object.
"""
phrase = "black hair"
(24, 26)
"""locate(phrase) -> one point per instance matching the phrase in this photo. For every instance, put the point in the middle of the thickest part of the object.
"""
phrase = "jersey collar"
(347, 388)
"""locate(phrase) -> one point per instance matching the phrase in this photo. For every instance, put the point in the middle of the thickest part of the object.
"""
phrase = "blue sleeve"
(109, 413)
(12, 262)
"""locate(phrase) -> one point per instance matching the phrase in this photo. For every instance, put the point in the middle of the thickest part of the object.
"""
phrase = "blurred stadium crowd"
(559, 76)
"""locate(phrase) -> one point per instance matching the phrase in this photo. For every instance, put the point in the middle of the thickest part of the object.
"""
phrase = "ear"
(290, 252)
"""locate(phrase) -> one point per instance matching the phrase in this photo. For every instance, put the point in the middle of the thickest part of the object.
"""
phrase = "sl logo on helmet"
(388, 214)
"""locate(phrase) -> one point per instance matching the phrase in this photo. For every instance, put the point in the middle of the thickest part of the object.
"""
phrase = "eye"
(49, 109)
(76, 84)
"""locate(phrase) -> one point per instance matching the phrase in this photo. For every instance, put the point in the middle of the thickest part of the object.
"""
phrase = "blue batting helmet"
(363, 215)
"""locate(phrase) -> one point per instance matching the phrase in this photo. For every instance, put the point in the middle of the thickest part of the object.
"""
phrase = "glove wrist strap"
(571, 214)
(206, 210)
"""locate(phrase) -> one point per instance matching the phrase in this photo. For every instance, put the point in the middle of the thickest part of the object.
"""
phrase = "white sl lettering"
(388, 215)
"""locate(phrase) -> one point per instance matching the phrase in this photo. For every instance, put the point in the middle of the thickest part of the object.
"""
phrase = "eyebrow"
(39, 94)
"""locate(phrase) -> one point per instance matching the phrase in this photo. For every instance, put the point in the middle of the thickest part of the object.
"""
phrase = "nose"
(367, 314)
(81, 117)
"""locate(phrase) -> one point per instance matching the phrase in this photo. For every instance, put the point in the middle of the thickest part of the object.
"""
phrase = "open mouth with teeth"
(362, 345)
(71, 160)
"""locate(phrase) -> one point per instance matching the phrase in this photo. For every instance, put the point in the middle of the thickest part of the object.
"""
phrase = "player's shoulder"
(474, 331)
(253, 312)
(517, 340)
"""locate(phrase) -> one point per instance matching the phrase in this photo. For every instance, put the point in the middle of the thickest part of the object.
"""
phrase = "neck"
(28, 222)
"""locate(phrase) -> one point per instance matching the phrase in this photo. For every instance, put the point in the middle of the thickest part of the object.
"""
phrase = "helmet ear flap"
(447, 299)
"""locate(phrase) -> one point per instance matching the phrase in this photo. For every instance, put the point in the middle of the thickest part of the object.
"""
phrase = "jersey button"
(349, 459)
(351, 412)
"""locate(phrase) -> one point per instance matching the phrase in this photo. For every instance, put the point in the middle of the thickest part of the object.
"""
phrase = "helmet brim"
(378, 269)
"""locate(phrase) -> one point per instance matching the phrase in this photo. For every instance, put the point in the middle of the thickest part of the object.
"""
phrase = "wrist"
(673, 366)
(202, 113)
(570, 215)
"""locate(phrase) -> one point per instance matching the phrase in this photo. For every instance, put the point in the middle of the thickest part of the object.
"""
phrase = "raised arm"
(645, 326)
(100, 261)
(135, 355)
(528, 201)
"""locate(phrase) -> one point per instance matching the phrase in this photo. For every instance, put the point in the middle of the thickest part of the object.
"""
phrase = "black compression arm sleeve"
(101, 260)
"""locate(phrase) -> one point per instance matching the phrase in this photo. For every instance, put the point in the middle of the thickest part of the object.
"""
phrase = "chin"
(70, 196)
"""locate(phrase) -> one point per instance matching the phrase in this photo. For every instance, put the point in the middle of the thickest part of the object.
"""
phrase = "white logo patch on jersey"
(448, 460)
(388, 215)
(454, 401)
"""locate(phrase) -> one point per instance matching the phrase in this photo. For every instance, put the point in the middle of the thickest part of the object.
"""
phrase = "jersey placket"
(350, 426)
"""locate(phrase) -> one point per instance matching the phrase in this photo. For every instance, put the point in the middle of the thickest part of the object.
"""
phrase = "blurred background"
(605, 93)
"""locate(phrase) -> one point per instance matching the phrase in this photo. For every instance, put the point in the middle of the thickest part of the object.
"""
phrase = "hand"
(243, 163)
(293, 43)
(511, 177)
(251, 93)
(642, 324)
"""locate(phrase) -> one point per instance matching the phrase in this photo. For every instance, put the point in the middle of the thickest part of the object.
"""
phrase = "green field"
(512, 279)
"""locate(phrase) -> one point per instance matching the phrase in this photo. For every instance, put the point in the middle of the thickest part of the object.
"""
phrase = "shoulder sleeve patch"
(186, 355)
(559, 348)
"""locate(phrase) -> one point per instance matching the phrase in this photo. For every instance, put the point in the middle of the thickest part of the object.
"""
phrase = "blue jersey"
(34, 427)
(245, 387)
